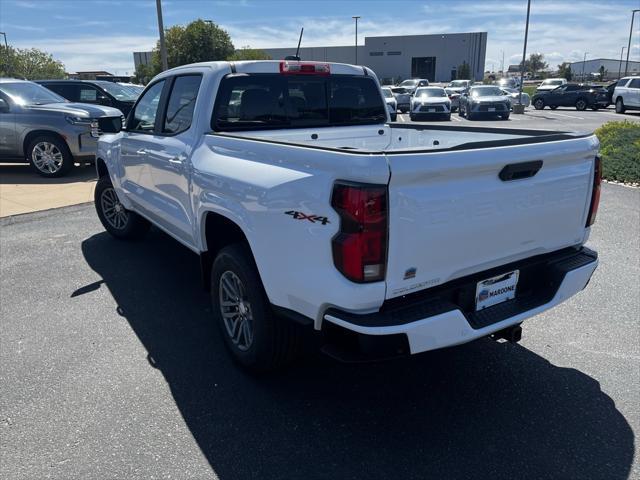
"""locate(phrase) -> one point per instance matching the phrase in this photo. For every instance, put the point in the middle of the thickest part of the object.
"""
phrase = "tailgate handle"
(517, 171)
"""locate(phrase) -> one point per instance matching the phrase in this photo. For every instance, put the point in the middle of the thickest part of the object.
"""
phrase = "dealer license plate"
(496, 290)
(492, 109)
(431, 109)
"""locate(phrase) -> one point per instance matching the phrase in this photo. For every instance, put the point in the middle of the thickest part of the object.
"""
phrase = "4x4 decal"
(311, 218)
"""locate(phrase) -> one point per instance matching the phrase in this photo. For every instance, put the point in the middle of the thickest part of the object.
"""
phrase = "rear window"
(263, 101)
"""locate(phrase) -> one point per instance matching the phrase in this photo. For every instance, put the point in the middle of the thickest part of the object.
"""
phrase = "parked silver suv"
(39, 126)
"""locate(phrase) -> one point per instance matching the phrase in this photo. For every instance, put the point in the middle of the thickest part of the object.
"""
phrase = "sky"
(102, 34)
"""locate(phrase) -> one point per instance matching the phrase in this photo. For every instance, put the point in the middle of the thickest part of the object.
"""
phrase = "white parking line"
(456, 118)
(401, 118)
(564, 115)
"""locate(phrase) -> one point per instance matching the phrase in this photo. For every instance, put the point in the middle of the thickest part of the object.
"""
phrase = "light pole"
(5, 39)
(520, 107)
(626, 65)
(620, 67)
(163, 47)
(356, 19)
(584, 59)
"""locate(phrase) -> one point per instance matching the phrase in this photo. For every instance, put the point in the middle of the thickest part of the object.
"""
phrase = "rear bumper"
(445, 316)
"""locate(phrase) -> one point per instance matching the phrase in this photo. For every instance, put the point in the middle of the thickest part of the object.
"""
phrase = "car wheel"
(117, 220)
(257, 339)
(394, 117)
(469, 115)
(49, 156)
(412, 117)
(460, 112)
(448, 117)
(581, 104)
(538, 104)
(620, 108)
(505, 117)
(553, 107)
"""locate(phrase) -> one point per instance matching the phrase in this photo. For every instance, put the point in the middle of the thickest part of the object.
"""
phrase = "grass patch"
(620, 151)
(530, 89)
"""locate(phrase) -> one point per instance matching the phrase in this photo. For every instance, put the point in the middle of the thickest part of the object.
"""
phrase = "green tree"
(463, 72)
(602, 72)
(564, 71)
(535, 63)
(30, 64)
(248, 53)
(199, 41)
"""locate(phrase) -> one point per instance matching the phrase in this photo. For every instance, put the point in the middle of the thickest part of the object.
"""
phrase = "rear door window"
(182, 101)
(259, 101)
(635, 83)
(143, 118)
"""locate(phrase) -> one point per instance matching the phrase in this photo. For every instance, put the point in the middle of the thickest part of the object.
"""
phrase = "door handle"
(518, 171)
(142, 151)
(176, 161)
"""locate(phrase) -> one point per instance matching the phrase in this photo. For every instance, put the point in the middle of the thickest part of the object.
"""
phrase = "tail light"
(360, 246)
(595, 194)
(309, 68)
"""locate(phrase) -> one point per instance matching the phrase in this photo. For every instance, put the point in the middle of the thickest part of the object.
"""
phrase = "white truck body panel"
(449, 213)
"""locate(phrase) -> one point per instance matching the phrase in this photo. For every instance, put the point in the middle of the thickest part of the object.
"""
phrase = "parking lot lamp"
(584, 59)
(620, 66)
(520, 107)
(356, 19)
(5, 39)
(626, 65)
(163, 47)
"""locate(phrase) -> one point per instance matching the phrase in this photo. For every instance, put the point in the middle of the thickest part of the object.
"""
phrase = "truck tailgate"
(451, 215)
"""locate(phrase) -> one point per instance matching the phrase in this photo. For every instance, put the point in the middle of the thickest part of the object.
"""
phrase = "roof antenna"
(296, 56)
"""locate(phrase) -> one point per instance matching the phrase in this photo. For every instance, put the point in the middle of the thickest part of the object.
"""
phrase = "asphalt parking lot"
(112, 369)
(560, 119)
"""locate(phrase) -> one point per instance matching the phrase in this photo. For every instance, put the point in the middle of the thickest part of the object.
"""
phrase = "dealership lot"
(559, 119)
(114, 370)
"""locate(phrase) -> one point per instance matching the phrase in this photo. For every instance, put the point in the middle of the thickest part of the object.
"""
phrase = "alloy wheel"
(47, 157)
(235, 310)
(114, 212)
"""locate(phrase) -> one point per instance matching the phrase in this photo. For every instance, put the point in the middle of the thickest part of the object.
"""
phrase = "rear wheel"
(256, 338)
(117, 220)
(581, 104)
(49, 156)
(505, 116)
(553, 107)
(469, 115)
(620, 108)
(538, 104)
(448, 117)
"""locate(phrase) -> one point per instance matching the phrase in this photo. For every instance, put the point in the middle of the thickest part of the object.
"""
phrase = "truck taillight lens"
(360, 247)
(595, 194)
(308, 68)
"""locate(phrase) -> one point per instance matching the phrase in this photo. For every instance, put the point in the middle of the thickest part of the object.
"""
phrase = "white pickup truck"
(309, 209)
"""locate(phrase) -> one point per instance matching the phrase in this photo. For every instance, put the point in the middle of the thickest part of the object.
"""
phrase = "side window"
(88, 94)
(622, 82)
(181, 104)
(143, 118)
(635, 83)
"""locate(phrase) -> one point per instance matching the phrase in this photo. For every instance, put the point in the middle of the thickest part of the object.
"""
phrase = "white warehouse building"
(611, 66)
(434, 57)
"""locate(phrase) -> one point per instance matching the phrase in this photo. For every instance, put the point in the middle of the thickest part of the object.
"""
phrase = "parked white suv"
(626, 95)
(551, 84)
(309, 210)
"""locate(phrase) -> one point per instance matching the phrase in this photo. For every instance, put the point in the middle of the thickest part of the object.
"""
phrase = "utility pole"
(502, 64)
(5, 39)
(356, 19)
(584, 60)
(626, 65)
(524, 57)
(163, 47)
(620, 66)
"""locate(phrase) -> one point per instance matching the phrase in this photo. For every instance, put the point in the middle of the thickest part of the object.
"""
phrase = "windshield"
(27, 93)
(136, 89)
(261, 101)
(485, 92)
(409, 83)
(120, 92)
(552, 82)
(458, 83)
(511, 90)
(506, 81)
(387, 93)
(431, 92)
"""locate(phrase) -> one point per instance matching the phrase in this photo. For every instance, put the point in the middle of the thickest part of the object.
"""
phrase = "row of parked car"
(56, 123)
(422, 100)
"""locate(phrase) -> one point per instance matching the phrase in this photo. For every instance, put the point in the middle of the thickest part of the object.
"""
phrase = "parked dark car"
(99, 92)
(572, 95)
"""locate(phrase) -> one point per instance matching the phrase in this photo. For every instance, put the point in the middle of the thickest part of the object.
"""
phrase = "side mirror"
(4, 106)
(110, 124)
(104, 100)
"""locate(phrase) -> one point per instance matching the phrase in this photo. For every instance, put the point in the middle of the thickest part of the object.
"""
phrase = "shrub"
(620, 151)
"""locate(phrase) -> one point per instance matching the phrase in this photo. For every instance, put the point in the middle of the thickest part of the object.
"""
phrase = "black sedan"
(572, 95)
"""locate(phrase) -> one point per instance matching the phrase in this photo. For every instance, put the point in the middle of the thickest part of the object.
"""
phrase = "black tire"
(553, 107)
(62, 160)
(595, 107)
(275, 341)
(581, 104)
(460, 112)
(620, 108)
(469, 115)
(412, 118)
(538, 104)
(394, 117)
(505, 116)
(448, 117)
(119, 222)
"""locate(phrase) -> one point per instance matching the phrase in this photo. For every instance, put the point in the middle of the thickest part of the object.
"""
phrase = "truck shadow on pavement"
(484, 410)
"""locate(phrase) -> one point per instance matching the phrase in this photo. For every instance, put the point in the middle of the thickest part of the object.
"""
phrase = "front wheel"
(553, 107)
(505, 117)
(620, 108)
(49, 156)
(448, 117)
(256, 338)
(117, 220)
(538, 104)
(581, 104)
